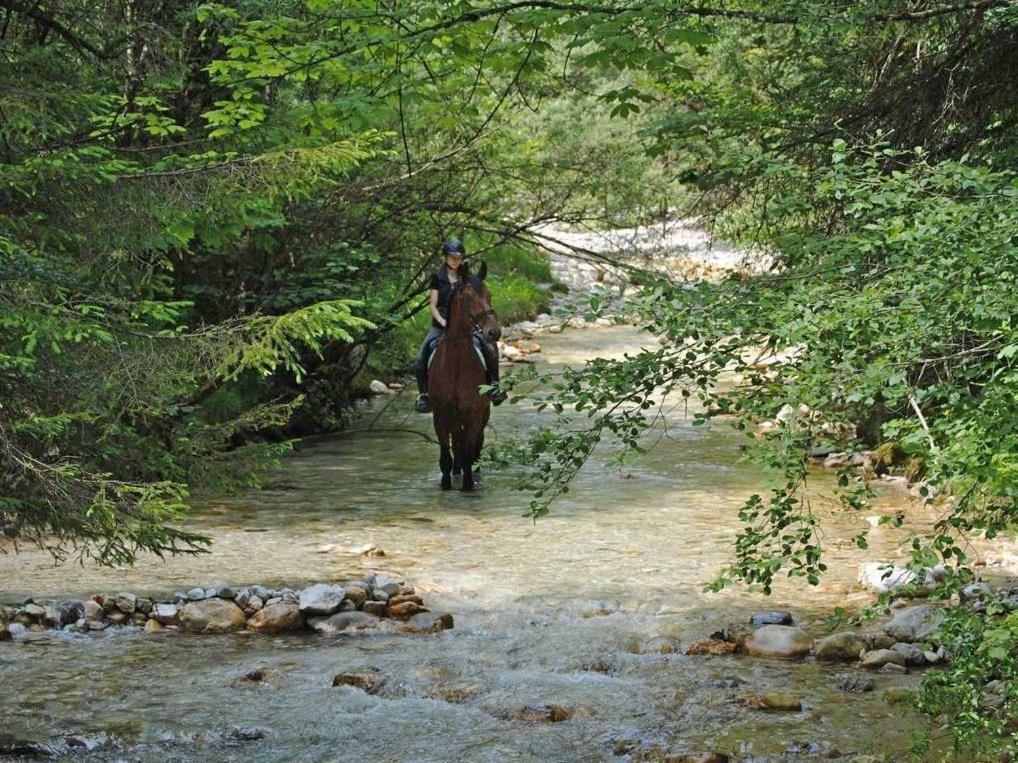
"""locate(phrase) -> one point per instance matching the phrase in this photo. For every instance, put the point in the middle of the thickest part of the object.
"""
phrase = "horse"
(459, 411)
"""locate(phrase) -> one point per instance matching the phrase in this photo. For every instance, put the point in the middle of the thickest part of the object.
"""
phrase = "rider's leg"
(491, 361)
(421, 370)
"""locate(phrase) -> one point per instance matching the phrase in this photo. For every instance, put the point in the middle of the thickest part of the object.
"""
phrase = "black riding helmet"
(454, 246)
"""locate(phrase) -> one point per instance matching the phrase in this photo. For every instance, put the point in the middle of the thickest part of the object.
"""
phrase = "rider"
(439, 295)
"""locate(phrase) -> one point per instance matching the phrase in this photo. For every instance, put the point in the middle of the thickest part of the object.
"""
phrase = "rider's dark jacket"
(440, 282)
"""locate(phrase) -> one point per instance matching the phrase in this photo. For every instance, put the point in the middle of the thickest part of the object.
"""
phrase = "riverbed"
(565, 611)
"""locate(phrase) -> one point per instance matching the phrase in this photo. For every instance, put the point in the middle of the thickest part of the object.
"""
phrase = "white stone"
(321, 599)
(378, 387)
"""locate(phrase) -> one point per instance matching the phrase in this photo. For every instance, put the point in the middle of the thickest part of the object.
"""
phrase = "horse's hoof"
(467, 487)
(446, 483)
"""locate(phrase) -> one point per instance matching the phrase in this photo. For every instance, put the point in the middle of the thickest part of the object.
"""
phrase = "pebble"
(196, 594)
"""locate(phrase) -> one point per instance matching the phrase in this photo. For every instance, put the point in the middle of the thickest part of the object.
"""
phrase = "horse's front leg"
(465, 455)
(445, 459)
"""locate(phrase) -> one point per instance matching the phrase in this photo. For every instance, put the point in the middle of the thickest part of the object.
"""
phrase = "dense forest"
(217, 221)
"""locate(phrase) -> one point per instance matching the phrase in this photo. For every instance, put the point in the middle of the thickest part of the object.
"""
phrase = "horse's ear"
(482, 272)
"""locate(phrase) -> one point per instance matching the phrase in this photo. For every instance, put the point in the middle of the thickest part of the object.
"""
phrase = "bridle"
(475, 320)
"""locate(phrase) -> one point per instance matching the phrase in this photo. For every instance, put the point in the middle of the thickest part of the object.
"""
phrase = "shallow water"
(549, 613)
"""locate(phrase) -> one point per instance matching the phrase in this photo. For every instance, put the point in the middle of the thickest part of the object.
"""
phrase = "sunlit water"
(555, 612)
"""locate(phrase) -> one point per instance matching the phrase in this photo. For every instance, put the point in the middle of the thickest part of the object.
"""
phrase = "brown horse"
(460, 411)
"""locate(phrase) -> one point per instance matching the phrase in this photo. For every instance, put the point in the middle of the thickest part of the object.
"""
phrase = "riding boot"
(491, 355)
(423, 404)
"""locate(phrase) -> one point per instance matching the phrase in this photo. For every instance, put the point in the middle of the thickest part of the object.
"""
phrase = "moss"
(898, 696)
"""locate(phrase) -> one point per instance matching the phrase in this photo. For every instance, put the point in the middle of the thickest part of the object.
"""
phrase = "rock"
(428, 622)
(321, 599)
(837, 461)
(5, 634)
(772, 700)
(855, 683)
(915, 623)
(196, 594)
(96, 625)
(343, 621)
(405, 610)
(153, 626)
(116, 617)
(261, 592)
(92, 611)
(108, 602)
(254, 604)
(16, 630)
(273, 600)
(139, 618)
(364, 550)
(711, 646)
(877, 639)
(782, 641)
(167, 614)
(71, 611)
(256, 676)
(282, 617)
(242, 598)
(212, 616)
(913, 655)
(369, 681)
(51, 616)
(126, 602)
(34, 611)
(143, 605)
(542, 714)
(839, 647)
(378, 595)
(357, 594)
(390, 586)
(376, 608)
(880, 657)
(378, 387)
(881, 578)
(404, 597)
(220, 591)
(737, 633)
(777, 617)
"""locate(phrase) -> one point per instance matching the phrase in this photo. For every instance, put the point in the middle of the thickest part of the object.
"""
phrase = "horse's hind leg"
(465, 455)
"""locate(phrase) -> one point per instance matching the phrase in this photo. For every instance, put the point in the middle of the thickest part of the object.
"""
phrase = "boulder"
(166, 614)
(143, 605)
(212, 616)
(777, 617)
(428, 622)
(342, 622)
(153, 626)
(839, 647)
(369, 681)
(782, 641)
(126, 602)
(879, 657)
(321, 599)
(357, 593)
(389, 585)
(915, 623)
(282, 617)
(881, 578)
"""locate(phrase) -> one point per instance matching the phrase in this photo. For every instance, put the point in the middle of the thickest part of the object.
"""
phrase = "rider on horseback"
(443, 281)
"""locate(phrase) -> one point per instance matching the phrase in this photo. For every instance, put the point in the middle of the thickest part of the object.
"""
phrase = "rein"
(475, 324)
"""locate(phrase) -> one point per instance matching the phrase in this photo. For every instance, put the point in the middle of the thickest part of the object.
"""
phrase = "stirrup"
(423, 404)
(497, 396)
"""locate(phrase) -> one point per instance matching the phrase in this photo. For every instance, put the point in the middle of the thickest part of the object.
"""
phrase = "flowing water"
(556, 612)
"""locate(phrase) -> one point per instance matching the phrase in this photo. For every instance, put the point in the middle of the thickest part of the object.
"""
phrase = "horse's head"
(476, 302)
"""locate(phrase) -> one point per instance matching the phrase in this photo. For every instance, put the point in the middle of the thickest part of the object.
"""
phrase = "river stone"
(542, 714)
(776, 617)
(139, 618)
(116, 617)
(975, 592)
(212, 616)
(34, 611)
(839, 647)
(92, 611)
(376, 608)
(342, 621)
(855, 683)
(51, 616)
(254, 604)
(389, 585)
(261, 592)
(913, 655)
(5, 635)
(321, 599)
(404, 597)
(71, 611)
(379, 595)
(880, 657)
(772, 700)
(126, 602)
(166, 614)
(881, 578)
(369, 681)
(405, 610)
(153, 626)
(915, 623)
(428, 622)
(712, 646)
(782, 641)
(357, 593)
(282, 617)
(196, 594)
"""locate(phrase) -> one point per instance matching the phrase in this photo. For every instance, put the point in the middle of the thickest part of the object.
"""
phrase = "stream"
(567, 611)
